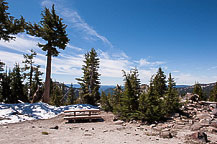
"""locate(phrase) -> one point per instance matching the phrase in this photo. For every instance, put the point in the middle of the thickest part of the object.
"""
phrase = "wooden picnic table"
(82, 114)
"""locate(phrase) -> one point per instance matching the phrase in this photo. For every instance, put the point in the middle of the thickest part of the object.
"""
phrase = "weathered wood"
(82, 110)
(82, 114)
(83, 117)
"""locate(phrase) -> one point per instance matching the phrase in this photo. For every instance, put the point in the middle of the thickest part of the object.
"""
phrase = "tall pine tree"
(129, 99)
(90, 84)
(172, 97)
(159, 83)
(29, 71)
(151, 107)
(52, 30)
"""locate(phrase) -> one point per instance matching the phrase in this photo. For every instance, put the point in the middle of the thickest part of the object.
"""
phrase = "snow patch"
(13, 113)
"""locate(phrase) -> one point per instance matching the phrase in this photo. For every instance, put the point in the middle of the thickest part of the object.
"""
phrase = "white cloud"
(74, 47)
(144, 62)
(77, 22)
(22, 43)
(190, 79)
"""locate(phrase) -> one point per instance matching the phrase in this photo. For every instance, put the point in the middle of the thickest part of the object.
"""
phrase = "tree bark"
(46, 94)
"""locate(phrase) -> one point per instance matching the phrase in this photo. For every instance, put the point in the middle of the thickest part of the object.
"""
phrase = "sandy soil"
(81, 133)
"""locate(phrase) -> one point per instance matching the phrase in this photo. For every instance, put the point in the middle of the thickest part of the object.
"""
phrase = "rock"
(203, 116)
(213, 123)
(200, 136)
(118, 122)
(196, 127)
(115, 119)
(87, 134)
(178, 126)
(214, 112)
(124, 124)
(191, 122)
(121, 128)
(166, 134)
(151, 133)
(180, 123)
(212, 130)
(176, 115)
(205, 122)
(213, 105)
(152, 125)
(56, 127)
(105, 131)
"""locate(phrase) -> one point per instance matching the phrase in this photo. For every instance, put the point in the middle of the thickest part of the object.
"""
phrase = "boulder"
(203, 116)
(200, 136)
(55, 127)
(196, 126)
(213, 123)
(214, 112)
(166, 134)
(118, 122)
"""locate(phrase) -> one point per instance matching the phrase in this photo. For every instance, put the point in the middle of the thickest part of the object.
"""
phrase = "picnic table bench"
(82, 114)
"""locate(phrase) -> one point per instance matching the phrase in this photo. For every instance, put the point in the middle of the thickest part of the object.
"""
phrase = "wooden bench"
(82, 114)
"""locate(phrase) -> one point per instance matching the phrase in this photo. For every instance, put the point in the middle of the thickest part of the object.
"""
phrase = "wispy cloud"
(22, 43)
(144, 62)
(74, 47)
(214, 67)
(77, 22)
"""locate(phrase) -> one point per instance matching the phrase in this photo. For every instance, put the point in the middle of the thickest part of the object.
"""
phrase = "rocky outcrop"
(199, 118)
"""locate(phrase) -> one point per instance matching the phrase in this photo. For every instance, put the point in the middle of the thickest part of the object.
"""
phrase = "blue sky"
(180, 36)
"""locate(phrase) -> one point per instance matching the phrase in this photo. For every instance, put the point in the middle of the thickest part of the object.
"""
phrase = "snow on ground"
(13, 113)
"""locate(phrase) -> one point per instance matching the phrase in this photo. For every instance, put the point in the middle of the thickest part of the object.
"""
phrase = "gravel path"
(79, 133)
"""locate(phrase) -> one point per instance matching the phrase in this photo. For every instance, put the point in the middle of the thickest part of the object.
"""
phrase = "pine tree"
(56, 95)
(116, 98)
(90, 84)
(29, 71)
(6, 88)
(1, 77)
(129, 100)
(8, 24)
(172, 97)
(198, 90)
(37, 80)
(71, 96)
(17, 86)
(152, 109)
(213, 96)
(135, 83)
(159, 83)
(142, 105)
(1, 66)
(52, 30)
(105, 103)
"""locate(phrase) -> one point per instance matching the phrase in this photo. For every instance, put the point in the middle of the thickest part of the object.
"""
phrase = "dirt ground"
(106, 132)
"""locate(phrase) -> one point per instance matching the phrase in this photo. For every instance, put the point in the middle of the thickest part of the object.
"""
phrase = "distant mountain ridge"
(189, 89)
(182, 89)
